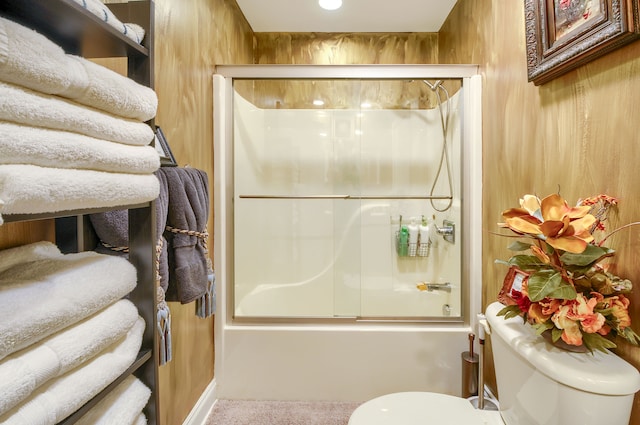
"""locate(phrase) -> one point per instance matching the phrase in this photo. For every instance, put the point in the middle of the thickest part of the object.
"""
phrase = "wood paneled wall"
(191, 38)
(16, 234)
(347, 48)
(343, 49)
(575, 134)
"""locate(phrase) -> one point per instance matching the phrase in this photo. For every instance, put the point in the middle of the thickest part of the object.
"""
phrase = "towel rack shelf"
(12, 218)
(73, 27)
(78, 31)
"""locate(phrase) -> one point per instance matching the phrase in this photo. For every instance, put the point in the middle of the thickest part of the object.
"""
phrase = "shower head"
(433, 86)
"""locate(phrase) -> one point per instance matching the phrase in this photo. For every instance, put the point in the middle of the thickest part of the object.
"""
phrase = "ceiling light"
(318, 102)
(330, 4)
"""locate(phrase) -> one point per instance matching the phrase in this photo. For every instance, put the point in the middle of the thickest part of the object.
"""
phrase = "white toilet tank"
(541, 384)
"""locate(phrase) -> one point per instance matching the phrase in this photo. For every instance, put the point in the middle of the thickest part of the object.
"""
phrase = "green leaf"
(510, 311)
(526, 262)
(549, 249)
(597, 342)
(589, 256)
(630, 335)
(604, 311)
(556, 334)
(549, 283)
(519, 246)
(541, 327)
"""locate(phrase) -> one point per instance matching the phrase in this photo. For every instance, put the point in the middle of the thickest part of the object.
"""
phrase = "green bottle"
(403, 243)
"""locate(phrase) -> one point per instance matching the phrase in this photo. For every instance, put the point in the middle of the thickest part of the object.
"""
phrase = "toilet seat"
(421, 408)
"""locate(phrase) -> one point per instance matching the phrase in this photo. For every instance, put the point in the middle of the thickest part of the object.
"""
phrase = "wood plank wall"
(342, 49)
(16, 234)
(576, 133)
(191, 38)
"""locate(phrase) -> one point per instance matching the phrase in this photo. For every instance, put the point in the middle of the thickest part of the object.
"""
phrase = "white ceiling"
(353, 16)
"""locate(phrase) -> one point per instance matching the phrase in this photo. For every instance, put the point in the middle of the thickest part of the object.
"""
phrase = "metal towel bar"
(340, 197)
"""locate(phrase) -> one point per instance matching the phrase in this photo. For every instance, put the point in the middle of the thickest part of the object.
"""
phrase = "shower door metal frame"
(471, 180)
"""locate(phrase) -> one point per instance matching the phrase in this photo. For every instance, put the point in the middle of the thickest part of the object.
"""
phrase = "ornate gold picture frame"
(562, 35)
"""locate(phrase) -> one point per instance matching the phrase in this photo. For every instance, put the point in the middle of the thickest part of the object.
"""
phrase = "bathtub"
(372, 299)
(340, 363)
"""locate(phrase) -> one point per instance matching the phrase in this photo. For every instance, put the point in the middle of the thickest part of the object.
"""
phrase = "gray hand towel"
(187, 216)
(183, 207)
(112, 228)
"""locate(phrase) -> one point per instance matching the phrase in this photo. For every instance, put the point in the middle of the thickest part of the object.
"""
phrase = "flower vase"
(563, 345)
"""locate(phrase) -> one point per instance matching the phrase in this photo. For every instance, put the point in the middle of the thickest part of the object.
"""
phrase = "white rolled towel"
(98, 8)
(25, 370)
(21, 144)
(27, 107)
(31, 60)
(60, 397)
(122, 406)
(42, 297)
(27, 253)
(29, 189)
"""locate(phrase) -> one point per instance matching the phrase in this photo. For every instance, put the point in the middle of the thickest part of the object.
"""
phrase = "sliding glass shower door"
(343, 193)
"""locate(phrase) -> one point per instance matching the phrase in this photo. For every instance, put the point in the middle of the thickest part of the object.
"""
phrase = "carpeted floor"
(247, 412)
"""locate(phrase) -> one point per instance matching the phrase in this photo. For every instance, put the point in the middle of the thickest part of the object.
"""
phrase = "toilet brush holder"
(470, 363)
(480, 401)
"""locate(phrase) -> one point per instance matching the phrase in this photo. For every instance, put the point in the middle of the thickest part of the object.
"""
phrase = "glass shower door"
(296, 233)
(322, 192)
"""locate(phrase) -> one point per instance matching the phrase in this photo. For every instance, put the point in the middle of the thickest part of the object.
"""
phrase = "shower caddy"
(79, 32)
(420, 244)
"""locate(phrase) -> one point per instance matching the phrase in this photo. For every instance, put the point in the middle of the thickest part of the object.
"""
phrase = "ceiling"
(353, 16)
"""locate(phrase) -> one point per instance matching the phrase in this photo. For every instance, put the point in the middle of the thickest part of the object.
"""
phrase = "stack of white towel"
(72, 133)
(97, 7)
(66, 333)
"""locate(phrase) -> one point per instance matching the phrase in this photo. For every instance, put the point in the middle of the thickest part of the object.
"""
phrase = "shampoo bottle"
(424, 239)
(403, 242)
(413, 238)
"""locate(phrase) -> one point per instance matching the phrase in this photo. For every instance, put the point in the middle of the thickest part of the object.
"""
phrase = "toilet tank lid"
(599, 373)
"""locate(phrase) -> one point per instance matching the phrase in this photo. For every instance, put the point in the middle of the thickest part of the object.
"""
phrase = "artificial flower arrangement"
(559, 287)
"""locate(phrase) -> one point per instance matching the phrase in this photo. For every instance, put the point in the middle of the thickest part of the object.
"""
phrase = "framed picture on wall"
(162, 146)
(562, 35)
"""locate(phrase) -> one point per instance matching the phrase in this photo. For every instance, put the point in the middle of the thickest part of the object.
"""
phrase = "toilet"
(537, 383)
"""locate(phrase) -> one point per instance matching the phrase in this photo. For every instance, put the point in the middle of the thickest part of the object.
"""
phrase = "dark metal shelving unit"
(79, 32)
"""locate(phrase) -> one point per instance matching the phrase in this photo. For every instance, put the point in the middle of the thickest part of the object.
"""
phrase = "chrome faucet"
(448, 230)
(432, 286)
